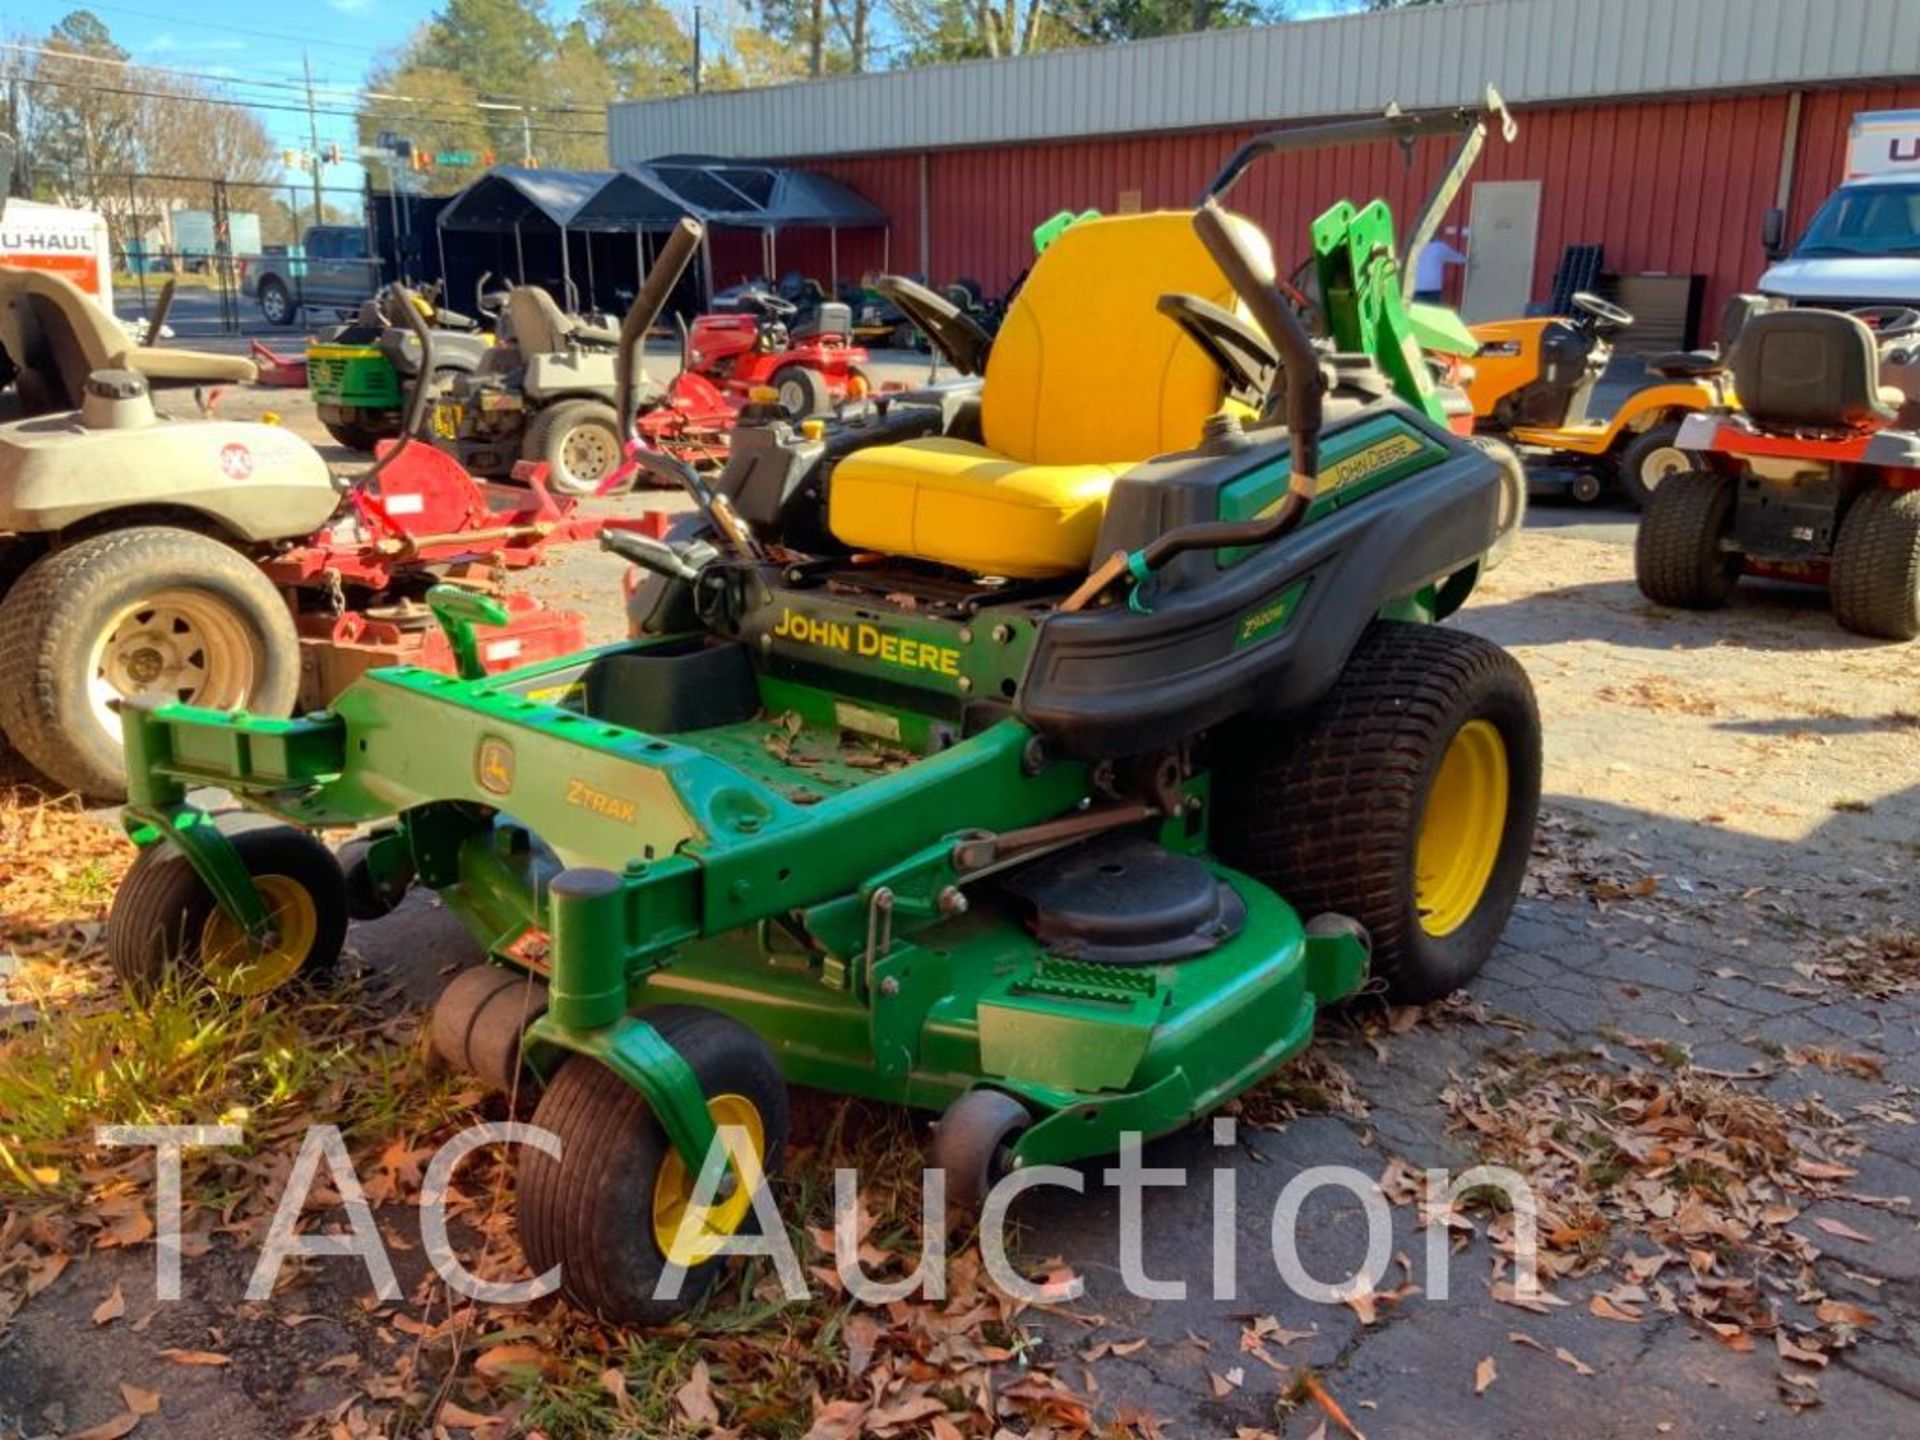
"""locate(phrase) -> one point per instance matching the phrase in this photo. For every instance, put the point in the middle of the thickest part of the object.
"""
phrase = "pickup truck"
(333, 272)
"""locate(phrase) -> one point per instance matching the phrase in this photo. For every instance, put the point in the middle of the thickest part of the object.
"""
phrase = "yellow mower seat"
(1086, 380)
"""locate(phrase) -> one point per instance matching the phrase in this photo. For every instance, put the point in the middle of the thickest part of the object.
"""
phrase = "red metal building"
(1662, 130)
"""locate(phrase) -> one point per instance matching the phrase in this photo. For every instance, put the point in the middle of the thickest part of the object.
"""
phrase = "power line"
(212, 78)
(290, 109)
(199, 24)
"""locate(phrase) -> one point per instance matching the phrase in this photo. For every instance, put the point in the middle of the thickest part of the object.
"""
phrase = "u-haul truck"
(72, 243)
(1863, 246)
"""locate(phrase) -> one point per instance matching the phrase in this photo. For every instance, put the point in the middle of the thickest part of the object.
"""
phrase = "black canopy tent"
(550, 213)
(533, 207)
(738, 194)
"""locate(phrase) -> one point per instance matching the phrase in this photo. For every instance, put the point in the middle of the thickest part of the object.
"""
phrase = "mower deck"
(732, 832)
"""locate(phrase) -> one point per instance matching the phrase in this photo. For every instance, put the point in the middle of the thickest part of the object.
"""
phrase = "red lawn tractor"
(811, 366)
(1815, 479)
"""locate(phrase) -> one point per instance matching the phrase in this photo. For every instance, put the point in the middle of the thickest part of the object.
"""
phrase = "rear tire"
(163, 613)
(803, 392)
(594, 1211)
(164, 920)
(1513, 497)
(1677, 556)
(1649, 461)
(1405, 798)
(1876, 566)
(579, 442)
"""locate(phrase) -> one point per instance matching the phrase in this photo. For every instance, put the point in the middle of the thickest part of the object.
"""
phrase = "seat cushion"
(1687, 364)
(961, 504)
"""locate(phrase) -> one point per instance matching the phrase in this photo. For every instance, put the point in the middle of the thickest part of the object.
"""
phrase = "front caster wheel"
(479, 1020)
(973, 1143)
(620, 1200)
(164, 919)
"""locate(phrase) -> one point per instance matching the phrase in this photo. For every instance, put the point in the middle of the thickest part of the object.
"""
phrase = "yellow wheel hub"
(1460, 833)
(235, 966)
(686, 1233)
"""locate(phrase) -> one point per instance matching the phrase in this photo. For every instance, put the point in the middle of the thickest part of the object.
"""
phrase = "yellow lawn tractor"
(1532, 380)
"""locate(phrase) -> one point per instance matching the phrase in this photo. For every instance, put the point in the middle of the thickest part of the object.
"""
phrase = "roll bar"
(655, 290)
(1393, 124)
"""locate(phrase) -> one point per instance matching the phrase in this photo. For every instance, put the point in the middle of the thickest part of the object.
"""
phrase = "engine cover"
(260, 482)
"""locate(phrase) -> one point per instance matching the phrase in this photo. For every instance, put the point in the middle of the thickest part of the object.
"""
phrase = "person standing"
(1436, 257)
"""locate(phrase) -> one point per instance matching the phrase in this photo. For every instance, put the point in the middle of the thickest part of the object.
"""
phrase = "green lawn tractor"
(359, 373)
(1043, 749)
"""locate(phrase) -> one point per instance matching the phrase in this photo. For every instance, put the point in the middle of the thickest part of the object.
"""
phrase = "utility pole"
(313, 134)
(526, 137)
(696, 49)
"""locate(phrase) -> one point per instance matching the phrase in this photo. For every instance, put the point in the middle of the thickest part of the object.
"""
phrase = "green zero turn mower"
(1043, 749)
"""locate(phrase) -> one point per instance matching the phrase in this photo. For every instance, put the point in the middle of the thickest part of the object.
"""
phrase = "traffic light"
(333, 153)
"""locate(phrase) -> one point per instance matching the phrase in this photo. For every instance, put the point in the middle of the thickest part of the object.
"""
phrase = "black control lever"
(649, 554)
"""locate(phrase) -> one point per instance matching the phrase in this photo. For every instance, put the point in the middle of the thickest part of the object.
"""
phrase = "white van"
(1863, 246)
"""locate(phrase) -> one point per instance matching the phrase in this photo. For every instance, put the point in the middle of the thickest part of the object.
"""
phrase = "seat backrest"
(1737, 311)
(1085, 369)
(538, 325)
(52, 328)
(1814, 369)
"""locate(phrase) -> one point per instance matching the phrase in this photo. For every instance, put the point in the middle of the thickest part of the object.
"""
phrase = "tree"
(577, 84)
(83, 120)
(833, 37)
(941, 30)
(644, 47)
(756, 58)
(496, 46)
(1103, 22)
(1002, 29)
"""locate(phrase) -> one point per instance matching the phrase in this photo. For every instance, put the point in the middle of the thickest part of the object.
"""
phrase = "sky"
(236, 41)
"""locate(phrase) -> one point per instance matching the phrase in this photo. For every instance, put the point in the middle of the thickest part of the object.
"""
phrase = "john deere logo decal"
(493, 766)
(1364, 464)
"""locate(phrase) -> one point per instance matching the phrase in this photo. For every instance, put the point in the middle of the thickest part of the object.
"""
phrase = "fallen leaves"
(1572, 1361)
(140, 1404)
(1714, 1178)
(1878, 965)
(1484, 1374)
(205, 1359)
(1840, 1230)
(516, 1363)
(1311, 1387)
(111, 1308)
(694, 1400)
